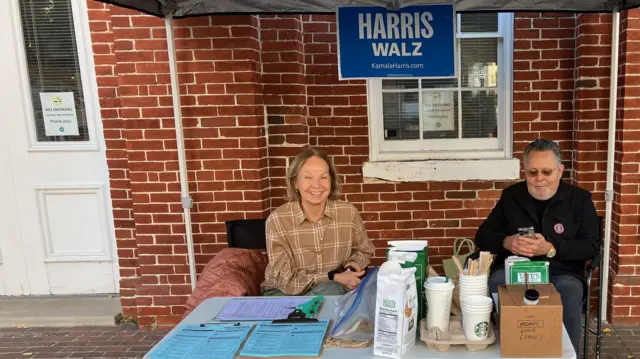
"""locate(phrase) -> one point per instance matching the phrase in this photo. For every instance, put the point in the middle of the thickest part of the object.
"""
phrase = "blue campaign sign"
(414, 41)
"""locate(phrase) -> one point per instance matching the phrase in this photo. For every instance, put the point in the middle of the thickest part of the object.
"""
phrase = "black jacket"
(569, 222)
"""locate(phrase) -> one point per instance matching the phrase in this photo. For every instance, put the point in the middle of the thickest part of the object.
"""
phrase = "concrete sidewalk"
(618, 342)
(113, 342)
(58, 311)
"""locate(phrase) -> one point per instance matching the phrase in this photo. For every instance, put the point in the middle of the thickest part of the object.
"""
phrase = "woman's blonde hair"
(294, 169)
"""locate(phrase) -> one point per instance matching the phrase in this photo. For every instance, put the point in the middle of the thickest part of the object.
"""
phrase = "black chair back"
(595, 261)
(246, 233)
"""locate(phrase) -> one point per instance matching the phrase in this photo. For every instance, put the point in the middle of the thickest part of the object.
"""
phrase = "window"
(54, 70)
(466, 117)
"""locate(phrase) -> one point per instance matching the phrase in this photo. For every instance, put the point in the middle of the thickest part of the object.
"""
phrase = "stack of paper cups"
(473, 285)
(439, 292)
(476, 317)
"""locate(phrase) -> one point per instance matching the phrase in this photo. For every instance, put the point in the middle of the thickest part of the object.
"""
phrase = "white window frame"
(451, 149)
(80, 19)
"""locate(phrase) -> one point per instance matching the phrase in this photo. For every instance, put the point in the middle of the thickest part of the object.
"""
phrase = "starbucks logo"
(481, 330)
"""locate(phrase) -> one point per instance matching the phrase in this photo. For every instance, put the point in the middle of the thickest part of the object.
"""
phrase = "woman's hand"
(349, 280)
(353, 267)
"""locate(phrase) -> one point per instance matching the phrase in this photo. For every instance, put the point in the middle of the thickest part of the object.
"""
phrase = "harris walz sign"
(414, 41)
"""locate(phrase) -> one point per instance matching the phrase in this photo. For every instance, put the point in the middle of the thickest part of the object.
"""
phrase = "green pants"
(325, 288)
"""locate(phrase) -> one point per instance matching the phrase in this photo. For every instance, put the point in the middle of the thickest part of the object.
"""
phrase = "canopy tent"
(169, 9)
(188, 8)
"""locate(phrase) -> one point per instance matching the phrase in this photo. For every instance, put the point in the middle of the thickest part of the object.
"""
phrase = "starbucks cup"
(473, 280)
(476, 317)
(473, 285)
(476, 325)
(466, 292)
(439, 292)
(478, 303)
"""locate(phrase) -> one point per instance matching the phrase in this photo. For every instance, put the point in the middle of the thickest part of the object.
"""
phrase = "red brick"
(461, 194)
(133, 33)
(450, 204)
(526, 34)
(444, 223)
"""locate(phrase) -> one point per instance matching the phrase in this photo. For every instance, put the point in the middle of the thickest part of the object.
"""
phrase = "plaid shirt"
(301, 253)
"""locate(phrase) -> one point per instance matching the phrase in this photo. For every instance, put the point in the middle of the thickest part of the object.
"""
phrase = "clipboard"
(297, 316)
(222, 340)
(258, 335)
(255, 309)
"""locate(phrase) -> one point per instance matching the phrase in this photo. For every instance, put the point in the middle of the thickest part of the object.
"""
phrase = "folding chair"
(594, 264)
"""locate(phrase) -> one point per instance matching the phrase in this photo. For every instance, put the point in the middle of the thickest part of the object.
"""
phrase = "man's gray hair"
(543, 144)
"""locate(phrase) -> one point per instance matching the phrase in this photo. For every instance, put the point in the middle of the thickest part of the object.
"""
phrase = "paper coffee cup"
(478, 291)
(474, 278)
(480, 301)
(439, 293)
(466, 292)
(476, 325)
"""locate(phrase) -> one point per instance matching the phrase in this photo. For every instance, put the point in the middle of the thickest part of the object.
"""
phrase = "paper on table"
(259, 308)
(220, 341)
(300, 339)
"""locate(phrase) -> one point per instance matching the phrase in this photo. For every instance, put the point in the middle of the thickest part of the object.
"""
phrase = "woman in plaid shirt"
(317, 244)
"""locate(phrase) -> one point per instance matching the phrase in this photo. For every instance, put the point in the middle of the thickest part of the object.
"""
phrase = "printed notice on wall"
(59, 114)
(438, 111)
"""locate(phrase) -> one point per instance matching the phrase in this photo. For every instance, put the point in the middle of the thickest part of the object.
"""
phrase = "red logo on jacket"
(559, 228)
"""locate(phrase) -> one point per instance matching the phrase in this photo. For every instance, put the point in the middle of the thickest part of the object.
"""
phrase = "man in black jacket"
(565, 223)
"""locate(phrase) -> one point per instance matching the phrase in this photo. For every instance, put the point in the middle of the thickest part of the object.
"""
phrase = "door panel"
(13, 271)
(62, 224)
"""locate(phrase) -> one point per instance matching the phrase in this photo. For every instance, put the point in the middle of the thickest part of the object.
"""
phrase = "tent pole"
(608, 194)
(187, 202)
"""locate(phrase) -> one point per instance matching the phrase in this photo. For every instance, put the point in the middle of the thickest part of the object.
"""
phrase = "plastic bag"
(355, 315)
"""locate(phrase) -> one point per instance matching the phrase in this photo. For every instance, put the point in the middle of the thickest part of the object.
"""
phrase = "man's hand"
(542, 247)
(348, 280)
(525, 246)
(517, 244)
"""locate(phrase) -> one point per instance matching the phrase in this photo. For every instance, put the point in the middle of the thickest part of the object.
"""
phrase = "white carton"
(396, 310)
(507, 264)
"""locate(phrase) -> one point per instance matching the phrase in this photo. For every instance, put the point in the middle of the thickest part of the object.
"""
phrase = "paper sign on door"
(59, 114)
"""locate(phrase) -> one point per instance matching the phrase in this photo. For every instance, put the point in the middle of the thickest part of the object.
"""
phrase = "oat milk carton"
(396, 320)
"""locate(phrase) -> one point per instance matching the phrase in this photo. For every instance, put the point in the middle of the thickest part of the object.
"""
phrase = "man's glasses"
(545, 172)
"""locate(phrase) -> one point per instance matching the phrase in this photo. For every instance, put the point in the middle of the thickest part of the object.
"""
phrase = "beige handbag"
(450, 268)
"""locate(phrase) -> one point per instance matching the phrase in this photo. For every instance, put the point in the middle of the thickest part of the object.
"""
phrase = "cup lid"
(531, 295)
(438, 282)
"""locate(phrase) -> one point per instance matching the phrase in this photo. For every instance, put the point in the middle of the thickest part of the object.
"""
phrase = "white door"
(56, 226)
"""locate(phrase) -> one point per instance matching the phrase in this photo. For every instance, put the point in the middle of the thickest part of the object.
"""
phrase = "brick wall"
(257, 89)
(593, 61)
(221, 95)
(104, 47)
(625, 267)
(543, 88)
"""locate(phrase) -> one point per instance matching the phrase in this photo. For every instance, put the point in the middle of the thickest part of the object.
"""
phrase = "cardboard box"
(533, 331)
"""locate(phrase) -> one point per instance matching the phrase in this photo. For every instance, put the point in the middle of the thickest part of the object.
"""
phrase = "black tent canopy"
(170, 9)
(188, 8)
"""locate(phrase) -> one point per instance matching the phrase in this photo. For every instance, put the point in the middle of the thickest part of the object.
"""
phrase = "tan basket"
(455, 336)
